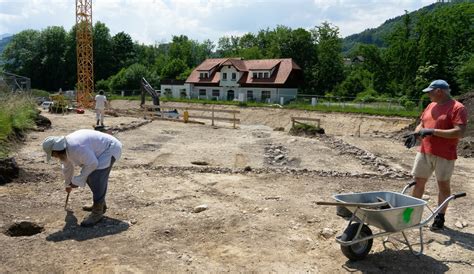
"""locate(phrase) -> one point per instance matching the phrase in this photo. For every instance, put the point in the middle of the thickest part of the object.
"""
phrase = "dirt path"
(260, 187)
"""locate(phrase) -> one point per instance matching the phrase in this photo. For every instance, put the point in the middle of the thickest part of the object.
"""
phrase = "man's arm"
(457, 132)
(89, 164)
(418, 127)
(68, 172)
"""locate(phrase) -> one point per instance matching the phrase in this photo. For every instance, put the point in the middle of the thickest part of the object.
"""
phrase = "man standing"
(443, 123)
(100, 104)
(95, 152)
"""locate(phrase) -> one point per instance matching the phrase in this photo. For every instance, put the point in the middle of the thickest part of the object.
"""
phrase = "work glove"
(425, 132)
(410, 139)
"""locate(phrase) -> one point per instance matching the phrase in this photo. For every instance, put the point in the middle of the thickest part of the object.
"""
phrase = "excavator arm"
(146, 87)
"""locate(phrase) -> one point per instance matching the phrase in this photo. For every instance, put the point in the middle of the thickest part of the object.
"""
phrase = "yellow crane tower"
(85, 64)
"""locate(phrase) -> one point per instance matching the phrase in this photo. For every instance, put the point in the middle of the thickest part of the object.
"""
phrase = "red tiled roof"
(283, 68)
(208, 64)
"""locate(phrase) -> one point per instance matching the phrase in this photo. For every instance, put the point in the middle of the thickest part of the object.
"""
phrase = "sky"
(156, 21)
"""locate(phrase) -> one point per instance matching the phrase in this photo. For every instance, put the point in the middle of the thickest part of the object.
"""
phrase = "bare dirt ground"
(260, 186)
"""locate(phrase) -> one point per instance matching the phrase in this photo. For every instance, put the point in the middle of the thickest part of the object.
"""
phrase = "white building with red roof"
(266, 80)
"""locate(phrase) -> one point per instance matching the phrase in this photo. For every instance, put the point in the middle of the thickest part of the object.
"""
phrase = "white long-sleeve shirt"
(91, 150)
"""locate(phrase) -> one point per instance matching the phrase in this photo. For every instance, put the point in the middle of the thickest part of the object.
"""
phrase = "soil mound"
(8, 170)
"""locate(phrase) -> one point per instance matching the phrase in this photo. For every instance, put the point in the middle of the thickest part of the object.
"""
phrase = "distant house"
(174, 88)
(267, 80)
(356, 60)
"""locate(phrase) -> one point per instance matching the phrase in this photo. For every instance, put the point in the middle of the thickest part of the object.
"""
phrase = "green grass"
(382, 111)
(17, 114)
(361, 110)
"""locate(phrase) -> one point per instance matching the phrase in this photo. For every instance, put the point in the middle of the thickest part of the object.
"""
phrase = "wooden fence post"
(212, 115)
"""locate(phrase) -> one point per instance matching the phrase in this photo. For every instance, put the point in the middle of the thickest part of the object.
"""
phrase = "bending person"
(95, 152)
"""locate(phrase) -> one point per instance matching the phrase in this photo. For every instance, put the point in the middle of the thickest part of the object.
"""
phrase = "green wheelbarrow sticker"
(407, 214)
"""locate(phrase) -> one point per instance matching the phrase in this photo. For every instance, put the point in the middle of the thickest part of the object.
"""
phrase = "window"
(203, 75)
(202, 92)
(265, 95)
(254, 75)
(234, 76)
(265, 75)
(249, 95)
(224, 76)
(260, 75)
(215, 93)
(182, 93)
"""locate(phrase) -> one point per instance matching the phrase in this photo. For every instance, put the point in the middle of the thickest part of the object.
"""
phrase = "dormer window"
(265, 75)
(260, 75)
(254, 75)
(203, 75)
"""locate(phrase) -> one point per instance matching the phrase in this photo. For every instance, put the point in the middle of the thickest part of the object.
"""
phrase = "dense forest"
(431, 43)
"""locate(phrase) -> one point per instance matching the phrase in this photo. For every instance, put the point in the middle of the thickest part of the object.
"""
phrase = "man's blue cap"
(437, 84)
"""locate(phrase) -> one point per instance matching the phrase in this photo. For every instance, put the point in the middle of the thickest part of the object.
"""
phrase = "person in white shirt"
(95, 152)
(100, 104)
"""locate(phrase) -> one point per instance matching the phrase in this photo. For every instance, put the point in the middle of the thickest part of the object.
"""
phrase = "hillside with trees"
(434, 42)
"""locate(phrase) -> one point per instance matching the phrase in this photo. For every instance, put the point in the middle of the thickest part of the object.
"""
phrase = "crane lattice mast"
(84, 50)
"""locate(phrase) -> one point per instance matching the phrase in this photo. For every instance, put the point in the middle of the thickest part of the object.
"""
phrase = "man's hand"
(70, 187)
(425, 132)
(410, 139)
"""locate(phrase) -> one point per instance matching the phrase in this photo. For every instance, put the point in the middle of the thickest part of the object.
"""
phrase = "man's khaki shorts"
(425, 164)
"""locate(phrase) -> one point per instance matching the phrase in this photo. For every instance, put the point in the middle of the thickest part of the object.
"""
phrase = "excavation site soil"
(202, 198)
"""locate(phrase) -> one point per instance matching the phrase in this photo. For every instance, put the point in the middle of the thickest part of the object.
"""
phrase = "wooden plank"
(295, 120)
(175, 120)
(307, 119)
(215, 118)
(192, 108)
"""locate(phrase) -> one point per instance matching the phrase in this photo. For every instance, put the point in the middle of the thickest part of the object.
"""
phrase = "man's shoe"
(96, 215)
(438, 223)
(88, 208)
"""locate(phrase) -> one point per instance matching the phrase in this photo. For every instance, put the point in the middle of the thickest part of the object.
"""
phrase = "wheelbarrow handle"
(459, 195)
(365, 205)
(408, 186)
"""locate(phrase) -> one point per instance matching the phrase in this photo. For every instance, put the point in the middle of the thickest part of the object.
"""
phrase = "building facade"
(267, 80)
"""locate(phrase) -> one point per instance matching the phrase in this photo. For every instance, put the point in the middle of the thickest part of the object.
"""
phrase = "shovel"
(67, 199)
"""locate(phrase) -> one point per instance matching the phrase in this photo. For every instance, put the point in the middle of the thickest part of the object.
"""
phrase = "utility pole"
(85, 64)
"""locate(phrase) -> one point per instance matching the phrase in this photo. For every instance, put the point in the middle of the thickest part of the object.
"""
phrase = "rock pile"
(275, 155)
(377, 163)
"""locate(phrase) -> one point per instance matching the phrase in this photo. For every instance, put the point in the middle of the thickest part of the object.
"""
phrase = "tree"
(329, 70)
(401, 57)
(53, 45)
(70, 60)
(129, 78)
(21, 55)
(359, 80)
(123, 51)
(103, 59)
(173, 69)
(182, 48)
(465, 75)
(373, 62)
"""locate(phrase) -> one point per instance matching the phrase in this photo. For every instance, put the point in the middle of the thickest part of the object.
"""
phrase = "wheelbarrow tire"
(360, 250)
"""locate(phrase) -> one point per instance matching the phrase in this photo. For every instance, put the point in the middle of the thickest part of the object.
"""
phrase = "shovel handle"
(459, 195)
(67, 199)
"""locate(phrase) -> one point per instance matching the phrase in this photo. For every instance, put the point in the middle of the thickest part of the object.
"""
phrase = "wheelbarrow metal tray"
(405, 211)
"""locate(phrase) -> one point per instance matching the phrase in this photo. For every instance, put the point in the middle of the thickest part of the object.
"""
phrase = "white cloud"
(149, 21)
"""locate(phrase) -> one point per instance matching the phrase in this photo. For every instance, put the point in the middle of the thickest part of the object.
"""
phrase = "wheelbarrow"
(390, 212)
